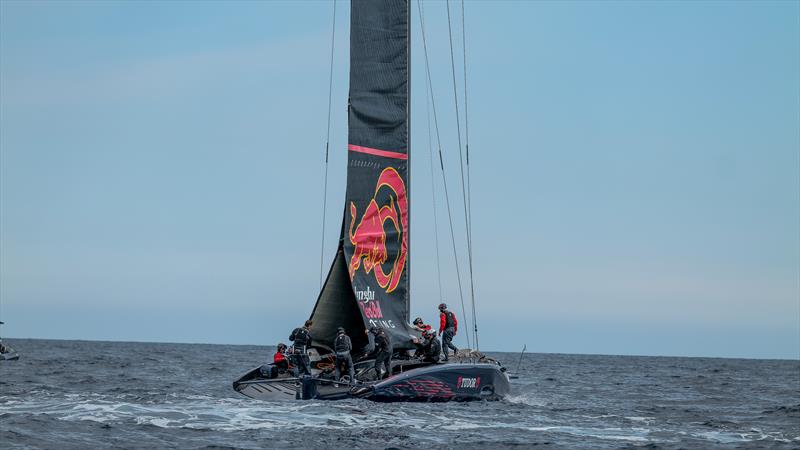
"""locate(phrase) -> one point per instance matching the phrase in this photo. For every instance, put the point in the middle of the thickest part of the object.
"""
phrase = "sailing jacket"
(432, 348)
(382, 343)
(301, 338)
(447, 320)
(342, 344)
(280, 360)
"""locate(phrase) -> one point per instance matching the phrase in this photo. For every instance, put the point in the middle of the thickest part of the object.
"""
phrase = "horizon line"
(797, 359)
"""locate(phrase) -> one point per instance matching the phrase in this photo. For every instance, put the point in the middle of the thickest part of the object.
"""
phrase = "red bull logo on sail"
(372, 310)
(369, 237)
(366, 300)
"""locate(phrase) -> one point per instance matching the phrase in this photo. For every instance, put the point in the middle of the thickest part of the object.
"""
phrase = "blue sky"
(635, 172)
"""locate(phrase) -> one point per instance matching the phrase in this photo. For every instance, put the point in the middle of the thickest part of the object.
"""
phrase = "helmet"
(281, 347)
(429, 333)
(373, 329)
(417, 321)
(442, 306)
(340, 330)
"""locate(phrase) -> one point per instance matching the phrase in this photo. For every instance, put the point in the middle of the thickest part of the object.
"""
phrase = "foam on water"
(526, 398)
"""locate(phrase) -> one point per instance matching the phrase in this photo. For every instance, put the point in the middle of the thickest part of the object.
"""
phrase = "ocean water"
(76, 394)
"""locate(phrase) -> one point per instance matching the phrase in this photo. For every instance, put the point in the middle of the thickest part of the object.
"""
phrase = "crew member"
(302, 340)
(342, 346)
(281, 362)
(279, 359)
(383, 352)
(431, 348)
(419, 325)
(448, 328)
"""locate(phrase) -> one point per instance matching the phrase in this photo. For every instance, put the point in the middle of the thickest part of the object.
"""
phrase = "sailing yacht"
(7, 353)
(368, 282)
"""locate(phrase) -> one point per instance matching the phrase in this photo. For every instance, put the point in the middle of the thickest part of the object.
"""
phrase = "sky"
(635, 172)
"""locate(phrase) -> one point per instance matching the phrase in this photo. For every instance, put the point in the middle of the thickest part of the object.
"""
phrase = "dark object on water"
(524, 347)
(7, 353)
(519, 364)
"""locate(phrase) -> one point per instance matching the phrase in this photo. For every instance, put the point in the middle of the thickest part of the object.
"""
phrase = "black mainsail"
(368, 283)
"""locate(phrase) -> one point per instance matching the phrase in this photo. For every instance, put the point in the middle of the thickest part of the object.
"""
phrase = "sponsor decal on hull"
(427, 388)
(468, 383)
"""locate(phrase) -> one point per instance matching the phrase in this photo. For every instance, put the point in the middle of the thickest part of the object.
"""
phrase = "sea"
(83, 395)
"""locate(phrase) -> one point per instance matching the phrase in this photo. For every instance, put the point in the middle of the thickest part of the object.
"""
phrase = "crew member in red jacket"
(280, 359)
(448, 328)
(281, 363)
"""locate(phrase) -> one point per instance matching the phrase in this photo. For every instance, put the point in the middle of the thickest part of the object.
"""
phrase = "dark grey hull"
(443, 382)
(459, 382)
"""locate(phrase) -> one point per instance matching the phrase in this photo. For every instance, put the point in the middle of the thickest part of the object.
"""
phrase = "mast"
(408, 146)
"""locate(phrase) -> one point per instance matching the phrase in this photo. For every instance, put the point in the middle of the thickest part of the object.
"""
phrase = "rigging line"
(458, 117)
(433, 190)
(469, 189)
(441, 162)
(466, 121)
(327, 149)
(467, 223)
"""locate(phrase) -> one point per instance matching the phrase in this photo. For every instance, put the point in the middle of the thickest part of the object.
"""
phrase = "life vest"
(301, 338)
(449, 320)
(342, 344)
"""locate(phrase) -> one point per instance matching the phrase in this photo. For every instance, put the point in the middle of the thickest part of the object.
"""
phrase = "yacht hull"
(10, 356)
(442, 382)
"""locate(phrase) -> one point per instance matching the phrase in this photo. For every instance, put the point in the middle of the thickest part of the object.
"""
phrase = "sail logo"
(382, 323)
(369, 236)
(468, 383)
(365, 296)
(372, 310)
